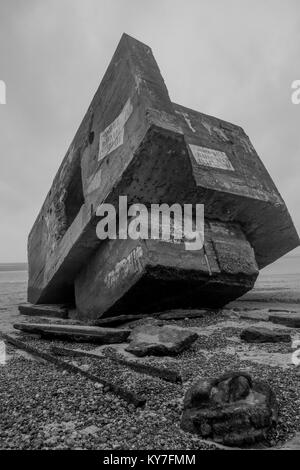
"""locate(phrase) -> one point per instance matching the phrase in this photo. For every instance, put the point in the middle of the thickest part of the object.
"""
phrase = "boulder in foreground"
(167, 340)
(233, 409)
(257, 334)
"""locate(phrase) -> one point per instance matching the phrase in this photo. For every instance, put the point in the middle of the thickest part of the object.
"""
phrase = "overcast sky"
(235, 59)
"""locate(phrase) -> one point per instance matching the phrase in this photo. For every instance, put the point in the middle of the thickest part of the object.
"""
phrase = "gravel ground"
(42, 407)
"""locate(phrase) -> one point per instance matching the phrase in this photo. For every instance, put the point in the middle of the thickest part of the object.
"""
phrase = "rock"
(157, 340)
(233, 409)
(291, 319)
(260, 315)
(257, 334)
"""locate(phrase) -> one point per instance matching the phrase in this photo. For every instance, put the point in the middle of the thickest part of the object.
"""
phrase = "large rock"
(257, 334)
(291, 319)
(157, 340)
(233, 409)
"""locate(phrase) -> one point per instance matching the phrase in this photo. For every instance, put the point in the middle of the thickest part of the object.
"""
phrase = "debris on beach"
(79, 333)
(76, 368)
(83, 390)
(161, 371)
(167, 340)
(233, 409)
(291, 319)
(53, 311)
(180, 314)
(258, 334)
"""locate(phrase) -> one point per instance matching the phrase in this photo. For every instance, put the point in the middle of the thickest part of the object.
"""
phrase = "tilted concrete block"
(134, 141)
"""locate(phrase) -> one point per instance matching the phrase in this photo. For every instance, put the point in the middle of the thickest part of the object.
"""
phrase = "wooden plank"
(75, 332)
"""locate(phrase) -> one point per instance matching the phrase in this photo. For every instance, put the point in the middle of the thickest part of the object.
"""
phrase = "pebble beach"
(44, 407)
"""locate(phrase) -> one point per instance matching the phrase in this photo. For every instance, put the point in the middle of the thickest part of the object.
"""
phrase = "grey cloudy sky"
(235, 59)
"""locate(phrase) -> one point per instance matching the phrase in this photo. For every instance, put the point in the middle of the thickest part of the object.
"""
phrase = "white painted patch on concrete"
(129, 265)
(215, 130)
(187, 120)
(112, 137)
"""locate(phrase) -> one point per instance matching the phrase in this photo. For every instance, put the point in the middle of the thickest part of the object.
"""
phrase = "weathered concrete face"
(143, 276)
(134, 141)
(238, 189)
